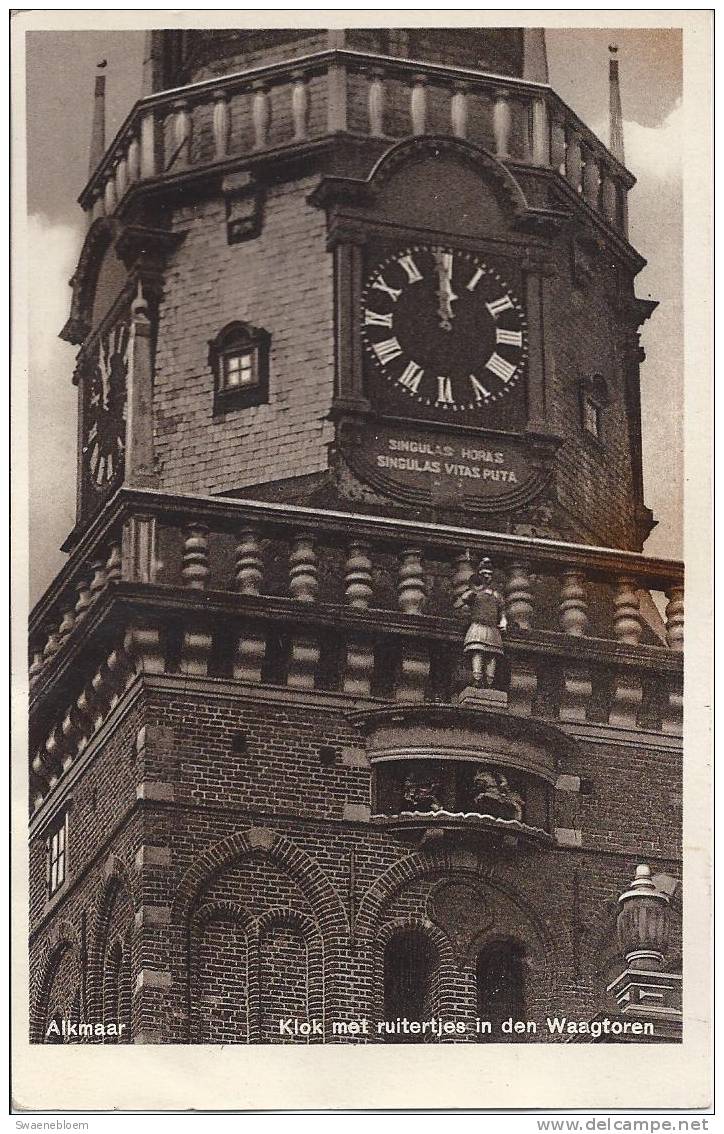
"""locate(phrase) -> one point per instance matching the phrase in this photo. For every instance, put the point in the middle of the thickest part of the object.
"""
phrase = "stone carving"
(421, 791)
(487, 611)
(494, 796)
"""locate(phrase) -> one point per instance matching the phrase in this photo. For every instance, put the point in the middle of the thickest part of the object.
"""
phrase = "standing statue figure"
(487, 611)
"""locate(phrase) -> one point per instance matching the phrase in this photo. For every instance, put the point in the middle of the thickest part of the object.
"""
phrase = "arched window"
(499, 973)
(595, 398)
(239, 359)
(409, 967)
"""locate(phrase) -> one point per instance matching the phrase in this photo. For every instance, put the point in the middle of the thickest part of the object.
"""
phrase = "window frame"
(593, 392)
(55, 853)
(238, 339)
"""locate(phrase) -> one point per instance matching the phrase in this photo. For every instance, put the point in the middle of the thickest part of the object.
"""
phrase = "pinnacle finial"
(615, 143)
(98, 129)
(139, 307)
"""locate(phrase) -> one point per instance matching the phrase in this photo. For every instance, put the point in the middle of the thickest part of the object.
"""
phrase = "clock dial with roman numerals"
(105, 409)
(443, 332)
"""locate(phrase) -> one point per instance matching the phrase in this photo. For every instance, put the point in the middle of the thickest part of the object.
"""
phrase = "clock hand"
(105, 378)
(445, 293)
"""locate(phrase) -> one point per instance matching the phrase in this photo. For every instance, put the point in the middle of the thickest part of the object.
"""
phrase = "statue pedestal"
(479, 697)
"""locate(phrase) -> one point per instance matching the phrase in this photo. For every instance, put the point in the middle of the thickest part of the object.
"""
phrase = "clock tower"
(357, 352)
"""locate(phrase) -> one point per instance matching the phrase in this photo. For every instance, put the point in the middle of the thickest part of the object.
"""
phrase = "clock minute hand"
(445, 293)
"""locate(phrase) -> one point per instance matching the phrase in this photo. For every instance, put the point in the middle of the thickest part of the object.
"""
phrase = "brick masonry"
(221, 874)
(274, 905)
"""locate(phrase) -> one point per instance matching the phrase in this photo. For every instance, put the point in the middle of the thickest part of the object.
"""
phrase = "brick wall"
(256, 924)
(282, 282)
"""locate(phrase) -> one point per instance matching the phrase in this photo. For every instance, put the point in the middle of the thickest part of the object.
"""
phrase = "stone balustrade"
(361, 606)
(192, 128)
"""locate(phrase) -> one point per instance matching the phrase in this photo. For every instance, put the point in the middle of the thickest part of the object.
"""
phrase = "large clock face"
(105, 409)
(443, 331)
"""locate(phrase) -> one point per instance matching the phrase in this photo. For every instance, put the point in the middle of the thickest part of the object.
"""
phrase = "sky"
(60, 77)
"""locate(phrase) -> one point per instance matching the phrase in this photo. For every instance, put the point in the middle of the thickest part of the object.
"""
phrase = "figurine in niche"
(494, 796)
(421, 792)
(487, 611)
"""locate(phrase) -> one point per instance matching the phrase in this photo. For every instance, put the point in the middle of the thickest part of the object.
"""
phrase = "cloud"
(653, 151)
(52, 254)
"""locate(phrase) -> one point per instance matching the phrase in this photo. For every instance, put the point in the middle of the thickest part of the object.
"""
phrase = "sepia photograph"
(355, 707)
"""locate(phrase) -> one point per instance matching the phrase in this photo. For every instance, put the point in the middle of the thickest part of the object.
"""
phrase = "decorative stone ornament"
(642, 927)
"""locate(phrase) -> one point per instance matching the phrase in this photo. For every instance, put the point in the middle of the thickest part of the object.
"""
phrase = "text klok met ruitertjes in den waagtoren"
(553, 1025)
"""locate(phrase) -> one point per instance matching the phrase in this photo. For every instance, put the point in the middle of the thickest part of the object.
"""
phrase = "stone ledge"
(568, 837)
(155, 791)
(153, 917)
(356, 812)
(152, 979)
(152, 856)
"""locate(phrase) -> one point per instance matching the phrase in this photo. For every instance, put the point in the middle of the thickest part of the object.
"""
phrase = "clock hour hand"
(105, 377)
(445, 293)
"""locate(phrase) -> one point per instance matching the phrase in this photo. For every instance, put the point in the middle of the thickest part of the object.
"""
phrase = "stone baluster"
(540, 132)
(195, 652)
(54, 752)
(608, 199)
(181, 134)
(195, 566)
(249, 565)
(67, 622)
(300, 105)
(114, 563)
(411, 582)
(418, 104)
(303, 662)
(573, 609)
(250, 653)
(36, 665)
(139, 548)
(98, 208)
(360, 658)
(83, 600)
(142, 643)
(303, 569)
(359, 666)
(672, 721)
(52, 645)
(519, 596)
(98, 580)
(575, 695)
(376, 103)
(109, 196)
(462, 575)
(261, 115)
(121, 177)
(414, 672)
(675, 618)
(558, 146)
(133, 159)
(591, 179)
(221, 124)
(304, 587)
(148, 144)
(627, 627)
(459, 110)
(628, 696)
(523, 687)
(573, 160)
(502, 124)
(358, 576)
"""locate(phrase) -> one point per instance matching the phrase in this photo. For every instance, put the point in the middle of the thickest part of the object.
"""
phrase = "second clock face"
(105, 410)
(444, 331)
